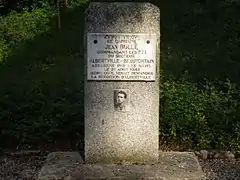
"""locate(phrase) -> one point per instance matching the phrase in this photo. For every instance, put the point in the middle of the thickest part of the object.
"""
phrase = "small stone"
(204, 154)
(217, 155)
(198, 154)
(220, 155)
(229, 155)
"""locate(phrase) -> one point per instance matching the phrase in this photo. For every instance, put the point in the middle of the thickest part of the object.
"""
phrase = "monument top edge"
(110, 33)
(147, 4)
(119, 2)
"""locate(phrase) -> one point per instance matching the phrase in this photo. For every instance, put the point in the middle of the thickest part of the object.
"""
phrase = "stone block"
(117, 134)
(171, 166)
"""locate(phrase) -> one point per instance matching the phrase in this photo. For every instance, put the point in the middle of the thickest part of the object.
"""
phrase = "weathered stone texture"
(130, 136)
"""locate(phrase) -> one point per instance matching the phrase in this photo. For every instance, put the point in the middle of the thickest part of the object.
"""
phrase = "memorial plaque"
(118, 56)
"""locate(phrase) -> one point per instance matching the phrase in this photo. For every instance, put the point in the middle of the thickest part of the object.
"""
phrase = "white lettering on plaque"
(121, 56)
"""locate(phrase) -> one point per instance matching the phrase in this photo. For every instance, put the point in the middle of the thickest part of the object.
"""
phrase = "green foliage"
(3, 50)
(41, 79)
(205, 117)
(16, 28)
(223, 112)
(45, 106)
(183, 119)
(77, 3)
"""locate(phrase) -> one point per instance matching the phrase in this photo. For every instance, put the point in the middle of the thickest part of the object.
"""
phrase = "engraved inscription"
(121, 56)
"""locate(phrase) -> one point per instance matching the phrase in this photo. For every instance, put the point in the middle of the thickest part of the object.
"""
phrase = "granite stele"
(122, 48)
(122, 102)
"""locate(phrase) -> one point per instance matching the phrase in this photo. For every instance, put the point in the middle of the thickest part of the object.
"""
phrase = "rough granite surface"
(171, 166)
(130, 136)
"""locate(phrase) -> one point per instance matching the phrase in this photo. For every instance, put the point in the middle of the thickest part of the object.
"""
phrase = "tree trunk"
(59, 14)
(65, 4)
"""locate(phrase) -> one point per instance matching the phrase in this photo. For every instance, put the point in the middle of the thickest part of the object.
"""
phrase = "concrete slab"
(171, 166)
(59, 165)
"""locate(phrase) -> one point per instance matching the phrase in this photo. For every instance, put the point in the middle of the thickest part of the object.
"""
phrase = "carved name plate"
(117, 56)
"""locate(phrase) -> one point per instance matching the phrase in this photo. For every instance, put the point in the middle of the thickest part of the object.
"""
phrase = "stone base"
(171, 166)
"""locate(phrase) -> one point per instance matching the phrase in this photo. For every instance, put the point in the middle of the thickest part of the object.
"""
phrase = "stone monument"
(122, 51)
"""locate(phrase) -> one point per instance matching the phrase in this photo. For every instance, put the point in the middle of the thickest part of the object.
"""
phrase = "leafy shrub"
(19, 27)
(183, 119)
(223, 105)
(77, 3)
(3, 49)
(205, 117)
(40, 100)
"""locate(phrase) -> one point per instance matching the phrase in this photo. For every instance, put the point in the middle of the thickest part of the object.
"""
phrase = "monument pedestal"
(171, 166)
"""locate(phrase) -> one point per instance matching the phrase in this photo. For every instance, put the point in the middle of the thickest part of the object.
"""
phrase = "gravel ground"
(21, 166)
(27, 167)
(221, 169)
